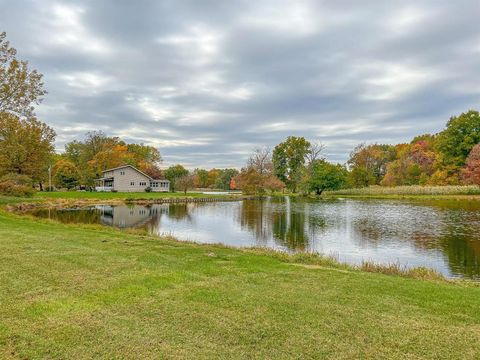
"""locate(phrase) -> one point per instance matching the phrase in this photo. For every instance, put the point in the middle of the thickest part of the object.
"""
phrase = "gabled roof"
(130, 166)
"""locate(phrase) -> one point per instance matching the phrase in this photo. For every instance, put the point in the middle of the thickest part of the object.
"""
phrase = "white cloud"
(390, 81)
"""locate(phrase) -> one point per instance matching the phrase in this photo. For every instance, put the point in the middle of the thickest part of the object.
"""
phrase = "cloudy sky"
(207, 81)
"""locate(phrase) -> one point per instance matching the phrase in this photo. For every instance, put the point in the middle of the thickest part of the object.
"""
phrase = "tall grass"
(410, 190)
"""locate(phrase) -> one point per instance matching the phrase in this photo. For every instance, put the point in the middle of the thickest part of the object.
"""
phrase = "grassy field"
(89, 292)
(471, 191)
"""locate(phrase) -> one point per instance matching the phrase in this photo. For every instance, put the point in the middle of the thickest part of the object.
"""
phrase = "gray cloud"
(207, 81)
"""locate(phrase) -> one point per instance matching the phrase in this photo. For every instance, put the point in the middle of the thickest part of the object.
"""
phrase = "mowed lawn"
(71, 292)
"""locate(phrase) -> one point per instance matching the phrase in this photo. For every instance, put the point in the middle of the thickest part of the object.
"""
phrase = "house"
(128, 178)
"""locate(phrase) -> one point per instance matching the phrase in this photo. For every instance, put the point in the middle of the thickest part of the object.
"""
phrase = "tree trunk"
(319, 191)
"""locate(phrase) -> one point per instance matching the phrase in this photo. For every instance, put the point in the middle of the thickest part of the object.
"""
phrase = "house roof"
(134, 168)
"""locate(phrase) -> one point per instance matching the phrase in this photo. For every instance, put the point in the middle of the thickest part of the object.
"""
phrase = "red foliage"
(471, 171)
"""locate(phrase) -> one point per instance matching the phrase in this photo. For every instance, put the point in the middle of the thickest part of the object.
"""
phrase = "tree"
(414, 164)
(360, 177)
(213, 175)
(26, 146)
(225, 177)
(173, 173)
(250, 181)
(323, 175)
(201, 178)
(369, 163)
(258, 175)
(261, 160)
(457, 140)
(20, 87)
(185, 183)
(315, 152)
(65, 174)
(289, 159)
(471, 172)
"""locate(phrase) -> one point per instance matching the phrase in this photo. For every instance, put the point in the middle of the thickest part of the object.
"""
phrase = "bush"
(148, 189)
(18, 179)
(16, 185)
(11, 188)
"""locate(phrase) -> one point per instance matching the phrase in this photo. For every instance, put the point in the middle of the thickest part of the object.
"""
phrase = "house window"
(122, 172)
(143, 183)
(132, 183)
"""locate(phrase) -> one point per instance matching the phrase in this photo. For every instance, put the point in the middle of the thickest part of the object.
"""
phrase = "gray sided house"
(128, 178)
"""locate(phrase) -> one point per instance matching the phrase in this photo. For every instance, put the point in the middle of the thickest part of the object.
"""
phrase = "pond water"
(443, 235)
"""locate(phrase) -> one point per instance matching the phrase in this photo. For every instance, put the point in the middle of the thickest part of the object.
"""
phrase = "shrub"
(11, 188)
(17, 179)
(16, 185)
(148, 189)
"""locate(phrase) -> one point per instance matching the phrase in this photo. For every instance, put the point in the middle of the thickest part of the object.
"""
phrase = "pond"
(443, 235)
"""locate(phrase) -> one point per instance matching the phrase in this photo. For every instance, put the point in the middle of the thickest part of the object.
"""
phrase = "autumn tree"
(258, 176)
(173, 173)
(185, 183)
(65, 174)
(414, 164)
(201, 178)
(288, 160)
(20, 87)
(368, 163)
(26, 146)
(471, 172)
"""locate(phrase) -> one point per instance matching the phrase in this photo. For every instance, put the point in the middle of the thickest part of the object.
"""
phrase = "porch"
(104, 184)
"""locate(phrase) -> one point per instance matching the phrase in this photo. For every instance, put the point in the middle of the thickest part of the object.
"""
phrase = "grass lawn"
(89, 292)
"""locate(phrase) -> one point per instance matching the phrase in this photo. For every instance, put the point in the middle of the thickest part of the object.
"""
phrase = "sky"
(208, 81)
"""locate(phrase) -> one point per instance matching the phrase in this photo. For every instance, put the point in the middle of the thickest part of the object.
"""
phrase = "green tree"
(201, 178)
(26, 146)
(20, 87)
(173, 173)
(360, 177)
(224, 178)
(457, 140)
(322, 175)
(289, 160)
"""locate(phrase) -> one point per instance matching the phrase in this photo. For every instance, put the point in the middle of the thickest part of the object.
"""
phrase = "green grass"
(84, 292)
(409, 191)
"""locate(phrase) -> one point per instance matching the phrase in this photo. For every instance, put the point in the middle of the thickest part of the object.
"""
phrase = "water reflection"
(444, 235)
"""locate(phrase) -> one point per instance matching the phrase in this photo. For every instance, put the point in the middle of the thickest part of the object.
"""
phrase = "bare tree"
(261, 160)
(315, 152)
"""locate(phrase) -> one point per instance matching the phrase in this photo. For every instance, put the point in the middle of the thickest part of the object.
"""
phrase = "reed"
(409, 190)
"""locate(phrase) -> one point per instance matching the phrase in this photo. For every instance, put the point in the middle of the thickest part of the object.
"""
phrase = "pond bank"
(30, 204)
